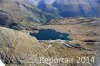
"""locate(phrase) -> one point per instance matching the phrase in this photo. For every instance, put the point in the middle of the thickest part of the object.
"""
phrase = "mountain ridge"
(72, 8)
(23, 13)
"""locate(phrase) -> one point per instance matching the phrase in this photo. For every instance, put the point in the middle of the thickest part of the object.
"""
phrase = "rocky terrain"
(17, 45)
(25, 14)
(70, 8)
(19, 18)
(21, 14)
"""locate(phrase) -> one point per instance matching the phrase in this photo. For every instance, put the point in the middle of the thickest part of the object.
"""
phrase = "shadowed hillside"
(71, 8)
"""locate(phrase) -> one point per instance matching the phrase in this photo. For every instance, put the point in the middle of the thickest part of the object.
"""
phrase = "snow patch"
(1, 63)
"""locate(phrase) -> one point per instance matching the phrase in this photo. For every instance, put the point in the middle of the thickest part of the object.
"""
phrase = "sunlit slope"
(21, 12)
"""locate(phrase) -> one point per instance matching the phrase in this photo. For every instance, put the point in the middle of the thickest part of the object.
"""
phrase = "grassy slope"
(24, 13)
(15, 46)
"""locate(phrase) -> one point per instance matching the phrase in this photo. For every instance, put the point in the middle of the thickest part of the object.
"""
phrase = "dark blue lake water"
(49, 34)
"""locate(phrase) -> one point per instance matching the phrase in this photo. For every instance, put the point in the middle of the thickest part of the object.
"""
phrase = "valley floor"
(83, 34)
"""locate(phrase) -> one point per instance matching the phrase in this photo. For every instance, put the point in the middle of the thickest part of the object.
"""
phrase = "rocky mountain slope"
(20, 49)
(46, 6)
(20, 14)
(71, 8)
(15, 46)
(24, 14)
